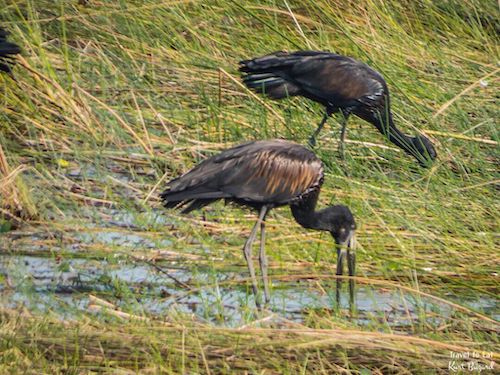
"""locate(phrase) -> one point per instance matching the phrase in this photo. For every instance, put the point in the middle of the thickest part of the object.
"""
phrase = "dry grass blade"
(15, 203)
(153, 189)
(118, 118)
(446, 105)
(461, 136)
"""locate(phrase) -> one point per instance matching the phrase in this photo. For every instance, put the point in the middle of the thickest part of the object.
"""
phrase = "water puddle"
(63, 287)
(121, 239)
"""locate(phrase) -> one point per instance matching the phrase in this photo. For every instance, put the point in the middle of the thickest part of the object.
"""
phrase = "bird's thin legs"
(340, 272)
(343, 124)
(312, 139)
(263, 261)
(247, 251)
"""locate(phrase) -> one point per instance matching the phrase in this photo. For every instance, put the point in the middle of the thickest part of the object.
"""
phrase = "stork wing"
(337, 80)
(262, 171)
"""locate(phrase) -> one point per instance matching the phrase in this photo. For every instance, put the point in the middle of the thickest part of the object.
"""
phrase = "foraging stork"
(342, 84)
(263, 175)
(7, 50)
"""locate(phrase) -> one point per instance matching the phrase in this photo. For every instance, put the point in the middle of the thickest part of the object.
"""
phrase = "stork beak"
(351, 265)
(351, 240)
(347, 246)
(351, 255)
(346, 249)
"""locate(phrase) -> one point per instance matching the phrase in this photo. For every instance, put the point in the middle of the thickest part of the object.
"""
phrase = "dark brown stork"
(7, 51)
(263, 175)
(342, 84)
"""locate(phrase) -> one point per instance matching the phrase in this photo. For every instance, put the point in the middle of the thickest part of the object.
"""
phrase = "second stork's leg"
(247, 250)
(312, 139)
(263, 261)
(343, 123)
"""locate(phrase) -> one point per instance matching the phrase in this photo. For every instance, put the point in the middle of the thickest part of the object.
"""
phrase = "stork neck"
(304, 211)
(385, 125)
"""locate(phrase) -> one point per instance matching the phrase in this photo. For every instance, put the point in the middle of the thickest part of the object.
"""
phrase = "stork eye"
(342, 230)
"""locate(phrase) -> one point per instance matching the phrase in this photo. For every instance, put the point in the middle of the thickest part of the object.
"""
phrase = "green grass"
(112, 96)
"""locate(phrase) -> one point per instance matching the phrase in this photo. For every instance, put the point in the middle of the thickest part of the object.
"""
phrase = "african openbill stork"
(7, 51)
(342, 84)
(263, 175)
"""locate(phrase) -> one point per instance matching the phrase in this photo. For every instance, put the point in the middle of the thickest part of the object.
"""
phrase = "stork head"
(339, 221)
(425, 151)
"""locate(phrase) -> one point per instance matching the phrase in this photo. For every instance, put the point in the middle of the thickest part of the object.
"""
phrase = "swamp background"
(111, 99)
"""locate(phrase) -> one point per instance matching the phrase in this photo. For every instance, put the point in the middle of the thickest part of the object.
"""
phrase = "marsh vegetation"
(111, 99)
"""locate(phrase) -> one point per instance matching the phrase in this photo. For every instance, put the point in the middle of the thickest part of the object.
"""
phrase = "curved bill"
(346, 249)
(351, 254)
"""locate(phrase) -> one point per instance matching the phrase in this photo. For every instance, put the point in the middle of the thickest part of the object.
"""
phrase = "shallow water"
(63, 286)
(121, 239)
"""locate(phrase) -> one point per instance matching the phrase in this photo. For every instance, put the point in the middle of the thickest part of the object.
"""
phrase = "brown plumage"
(340, 83)
(273, 173)
(263, 175)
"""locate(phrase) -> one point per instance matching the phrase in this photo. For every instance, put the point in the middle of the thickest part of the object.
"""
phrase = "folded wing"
(262, 172)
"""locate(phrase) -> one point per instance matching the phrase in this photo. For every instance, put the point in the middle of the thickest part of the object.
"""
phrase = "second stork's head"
(424, 150)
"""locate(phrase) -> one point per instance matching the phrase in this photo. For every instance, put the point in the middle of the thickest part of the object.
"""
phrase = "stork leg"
(312, 139)
(340, 272)
(343, 123)
(247, 251)
(263, 261)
